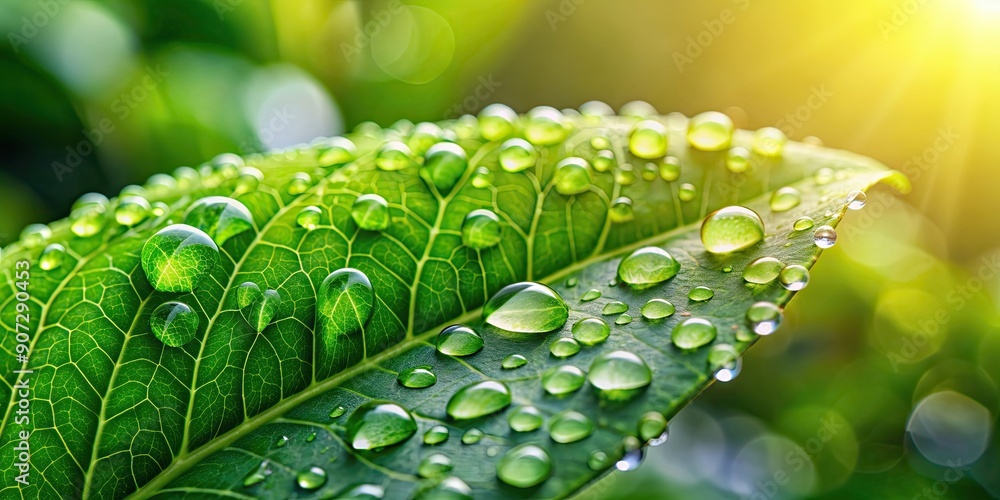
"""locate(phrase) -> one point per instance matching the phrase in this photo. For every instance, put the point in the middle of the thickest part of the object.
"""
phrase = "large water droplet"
(371, 212)
(262, 310)
(731, 229)
(562, 379)
(572, 176)
(764, 318)
(52, 257)
(569, 427)
(378, 424)
(545, 126)
(526, 308)
(524, 466)
(648, 140)
(393, 155)
(670, 169)
(564, 347)
(825, 237)
(481, 229)
(652, 427)
(435, 465)
(517, 155)
(344, 304)
(785, 199)
(591, 331)
(459, 340)
(513, 362)
(436, 435)
(769, 142)
(648, 266)
(701, 294)
(621, 210)
(497, 122)
(619, 374)
(794, 277)
(525, 419)
(444, 165)
(763, 270)
(724, 362)
(174, 323)
(710, 131)
(178, 258)
(693, 333)
(417, 377)
(312, 479)
(479, 399)
(856, 200)
(657, 309)
(219, 217)
(131, 210)
(309, 217)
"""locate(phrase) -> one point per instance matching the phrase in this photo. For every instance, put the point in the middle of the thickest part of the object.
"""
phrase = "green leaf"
(255, 404)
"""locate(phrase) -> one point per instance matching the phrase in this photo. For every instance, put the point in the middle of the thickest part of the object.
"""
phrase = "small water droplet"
(459, 340)
(648, 140)
(597, 460)
(591, 331)
(378, 424)
(545, 126)
(362, 492)
(701, 294)
(856, 200)
(309, 217)
(35, 235)
(311, 437)
(517, 155)
(571, 282)
(52, 257)
(131, 210)
(526, 308)
(670, 169)
(569, 427)
(624, 319)
(563, 379)
(497, 122)
(769, 142)
(825, 237)
(423, 136)
(632, 456)
(614, 307)
(435, 465)
(336, 151)
(803, 223)
(724, 362)
(794, 277)
(621, 210)
(450, 488)
(298, 184)
(525, 419)
(572, 176)
(731, 229)
(312, 479)
(444, 164)
(625, 174)
(650, 172)
(764, 318)
(219, 217)
(482, 178)
(823, 176)
(604, 161)
(590, 295)
(338, 412)
(657, 309)
(472, 436)
(687, 192)
(479, 399)
(637, 109)
(524, 466)
(619, 374)
(281, 441)
(513, 362)
(371, 212)
(785, 199)
(418, 377)
(710, 131)
(763, 270)
(178, 258)
(174, 323)
(596, 109)
(436, 435)
(738, 160)
(648, 266)
(393, 155)
(258, 475)
(564, 347)
(88, 218)
(693, 333)
(653, 427)
(262, 310)
(481, 229)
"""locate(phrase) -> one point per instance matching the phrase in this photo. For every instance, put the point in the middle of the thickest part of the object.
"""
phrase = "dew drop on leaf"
(472, 436)
(563, 379)
(131, 210)
(444, 165)
(785, 199)
(513, 362)
(597, 460)
(768, 142)
(710, 131)
(569, 427)
(344, 304)
(497, 122)
(621, 210)
(178, 258)
(281, 442)
(794, 277)
(604, 160)
(648, 266)
(370, 212)
(624, 174)
(591, 294)
(524, 466)
(481, 229)
(258, 475)
(624, 319)
(701, 294)
(526, 308)
(219, 217)
(803, 223)
(517, 155)
(693, 333)
(88, 219)
(262, 311)
(450, 488)
(591, 331)
(52, 257)
(482, 178)
(650, 172)
(856, 200)
(648, 140)
(545, 126)
(309, 217)
(596, 109)
(657, 309)
(362, 492)
(652, 426)
(825, 237)
(435, 465)
(617, 371)
(312, 479)
(637, 109)
(525, 419)
(459, 340)
(338, 412)
(763, 270)
(479, 399)
(564, 347)
(247, 293)
(424, 136)
(614, 307)
(378, 424)
(724, 362)
(336, 151)
(174, 323)
(572, 176)
(731, 229)
(823, 176)
(418, 377)
(687, 192)
(738, 160)
(35, 235)
(633, 455)
(436, 435)
(764, 318)
(298, 184)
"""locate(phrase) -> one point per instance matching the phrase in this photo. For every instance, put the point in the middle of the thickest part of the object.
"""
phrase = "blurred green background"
(883, 381)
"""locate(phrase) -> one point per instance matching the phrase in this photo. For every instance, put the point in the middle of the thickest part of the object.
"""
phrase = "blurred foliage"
(905, 306)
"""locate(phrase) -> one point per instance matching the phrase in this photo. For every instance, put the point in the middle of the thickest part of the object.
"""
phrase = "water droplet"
(738, 160)
(657, 309)
(572, 176)
(604, 161)
(619, 373)
(435, 465)
(693, 333)
(309, 217)
(525, 419)
(417, 377)
(596, 109)
(624, 319)
(637, 109)
(393, 155)
(35, 235)
(262, 310)
(478, 399)
(371, 212)
(633, 455)
(362, 492)
(825, 237)
(449, 488)
(88, 219)
(569, 427)
(564, 347)
(312, 479)
(652, 426)
(444, 165)
(571, 282)
(794, 277)
(614, 307)
(856, 200)
(648, 266)
(497, 122)
(459, 340)
(650, 172)
(785, 199)
(670, 169)
(763, 270)
(482, 178)
(731, 229)
(258, 475)
(481, 229)
(701, 294)
(624, 174)
(597, 460)
(247, 293)
(338, 412)
(513, 362)
(178, 258)
(298, 184)
(648, 140)
(687, 192)
(524, 466)
(562, 379)
(768, 141)
(281, 442)
(472, 436)
(517, 155)
(378, 424)
(526, 308)
(424, 136)
(764, 318)
(710, 131)
(724, 362)
(621, 210)
(219, 217)
(337, 151)
(161, 185)
(590, 295)
(311, 437)
(823, 176)
(545, 126)
(436, 435)
(174, 323)
(803, 223)
(131, 210)
(52, 257)
(591, 331)
(345, 301)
